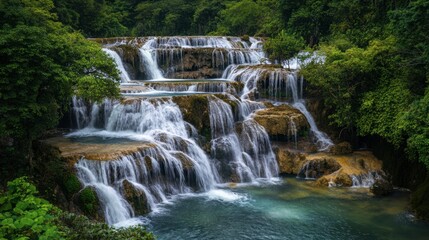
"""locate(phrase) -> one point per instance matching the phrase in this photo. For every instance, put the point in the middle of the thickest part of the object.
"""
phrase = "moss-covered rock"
(317, 168)
(136, 197)
(420, 200)
(88, 202)
(336, 179)
(71, 185)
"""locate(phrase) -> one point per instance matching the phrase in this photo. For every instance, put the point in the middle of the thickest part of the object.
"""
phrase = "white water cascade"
(124, 75)
(280, 82)
(158, 169)
(248, 152)
(149, 59)
(170, 160)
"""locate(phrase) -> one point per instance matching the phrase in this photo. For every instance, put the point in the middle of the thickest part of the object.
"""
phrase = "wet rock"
(341, 148)
(289, 162)
(195, 110)
(318, 167)
(281, 121)
(136, 197)
(73, 151)
(336, 179)
(381, 187)
(361, 167)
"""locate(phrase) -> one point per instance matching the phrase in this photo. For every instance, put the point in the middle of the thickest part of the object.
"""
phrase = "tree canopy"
(42, 64)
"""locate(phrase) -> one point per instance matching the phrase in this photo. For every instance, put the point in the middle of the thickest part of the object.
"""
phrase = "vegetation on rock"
(23, 215)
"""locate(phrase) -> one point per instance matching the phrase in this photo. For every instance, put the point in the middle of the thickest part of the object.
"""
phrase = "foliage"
(94, 18)
(25, 216)
(241, 18)
(283, 47)
(310, 19)
(42, 64)
(164, 17)
(206, 15)
(79, 227)
(88, 201)
(417, 126)
(345, 80)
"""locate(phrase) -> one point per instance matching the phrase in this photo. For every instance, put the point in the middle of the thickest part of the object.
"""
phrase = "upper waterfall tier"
(185, 41)
(149, 58)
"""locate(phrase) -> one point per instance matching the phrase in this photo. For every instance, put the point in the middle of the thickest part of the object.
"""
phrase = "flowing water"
(185, 183)
(124, 75)
(289, 210)
(281, 83)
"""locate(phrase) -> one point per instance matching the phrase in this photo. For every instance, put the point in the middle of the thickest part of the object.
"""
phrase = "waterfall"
(149, 60)
(124, 75)
(170, 160)
(249, 152)
(365, 180)
(158, 169)
(277, 82)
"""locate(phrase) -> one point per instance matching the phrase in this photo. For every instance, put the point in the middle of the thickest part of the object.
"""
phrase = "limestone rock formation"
(359, 167)
(289, 162)
(281, 121)
(73, 151)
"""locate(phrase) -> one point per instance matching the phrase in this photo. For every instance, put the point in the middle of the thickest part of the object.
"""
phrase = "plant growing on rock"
(283, 47)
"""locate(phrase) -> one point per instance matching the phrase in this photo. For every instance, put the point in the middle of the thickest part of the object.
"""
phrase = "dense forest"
(373, 80)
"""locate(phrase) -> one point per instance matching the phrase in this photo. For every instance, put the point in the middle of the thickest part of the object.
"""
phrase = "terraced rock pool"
(290, 209)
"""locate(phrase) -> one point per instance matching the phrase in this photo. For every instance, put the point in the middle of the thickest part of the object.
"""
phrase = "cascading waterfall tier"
(242, 156)
(171, 159)
(185, 57)
(276, 84)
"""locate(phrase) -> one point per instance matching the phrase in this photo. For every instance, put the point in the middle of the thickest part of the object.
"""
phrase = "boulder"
(282, 121)
(381, 187)
(289, 162)
(420, 200)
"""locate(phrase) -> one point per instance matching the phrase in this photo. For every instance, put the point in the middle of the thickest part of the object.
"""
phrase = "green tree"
(42, 64)
(94, 18)
(283, 47)
(206, 15)
(164, 17)
(241, 18)
(310, 19)
(360, 86)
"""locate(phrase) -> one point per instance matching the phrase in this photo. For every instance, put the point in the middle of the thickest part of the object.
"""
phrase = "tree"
(93, 17)
(241, 18)
(283, 47)
(164, 17)
(42, 64)
(310, 19)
